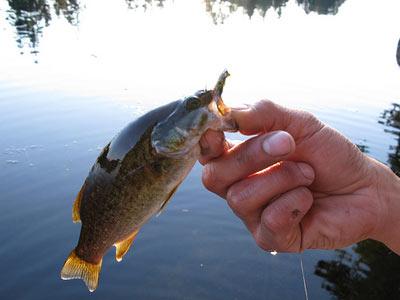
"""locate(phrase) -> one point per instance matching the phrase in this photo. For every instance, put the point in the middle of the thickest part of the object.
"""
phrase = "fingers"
(268, 191)
(213, 144)
(245, 159)
(265, 116)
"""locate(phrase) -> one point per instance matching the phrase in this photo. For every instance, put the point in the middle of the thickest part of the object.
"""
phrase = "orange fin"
(76, 217)
(123, 246)
(76, 268)
(168, 199)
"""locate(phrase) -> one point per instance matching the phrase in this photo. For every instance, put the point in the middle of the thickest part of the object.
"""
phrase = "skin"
(299, 184)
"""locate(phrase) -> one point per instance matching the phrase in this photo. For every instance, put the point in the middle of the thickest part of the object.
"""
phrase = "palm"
(343, 211)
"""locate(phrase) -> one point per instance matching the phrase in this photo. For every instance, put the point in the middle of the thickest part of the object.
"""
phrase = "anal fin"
(123, 246)
(76, 217)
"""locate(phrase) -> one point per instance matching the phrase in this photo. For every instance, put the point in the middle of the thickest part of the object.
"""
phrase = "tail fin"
(76, 268)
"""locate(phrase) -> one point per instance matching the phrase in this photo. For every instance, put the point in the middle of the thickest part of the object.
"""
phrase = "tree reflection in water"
(144, 3)
(221, 9)
(69, 9)
(322, 7)
(369, 270)
(29, 17)
(391, 118)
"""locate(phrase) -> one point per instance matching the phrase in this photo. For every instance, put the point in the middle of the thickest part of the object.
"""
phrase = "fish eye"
(193, 103)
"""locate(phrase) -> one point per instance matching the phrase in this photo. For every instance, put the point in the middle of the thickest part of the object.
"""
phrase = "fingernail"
(307, 171)
(277, 144)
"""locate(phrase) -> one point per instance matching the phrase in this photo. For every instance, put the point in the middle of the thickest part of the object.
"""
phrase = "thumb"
(265, 116)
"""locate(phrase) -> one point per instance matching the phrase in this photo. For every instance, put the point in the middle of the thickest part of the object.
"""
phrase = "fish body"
(136, 175)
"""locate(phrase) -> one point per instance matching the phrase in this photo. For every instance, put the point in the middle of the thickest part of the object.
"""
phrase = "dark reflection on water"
(30, 17)
(249, 7)
(69, 9)
(369, 270)
(135, 4)
(391, 118)
(324, 7)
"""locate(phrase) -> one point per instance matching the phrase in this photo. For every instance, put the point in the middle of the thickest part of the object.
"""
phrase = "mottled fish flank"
(136, 175)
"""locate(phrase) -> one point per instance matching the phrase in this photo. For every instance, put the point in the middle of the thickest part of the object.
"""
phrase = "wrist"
(388, 194)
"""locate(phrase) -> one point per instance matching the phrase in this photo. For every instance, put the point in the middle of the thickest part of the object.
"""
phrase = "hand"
(299, 184)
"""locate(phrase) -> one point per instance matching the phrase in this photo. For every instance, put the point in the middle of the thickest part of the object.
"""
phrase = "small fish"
(136, 175)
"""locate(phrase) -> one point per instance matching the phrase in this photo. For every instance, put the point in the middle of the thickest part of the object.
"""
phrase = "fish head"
(183, 128)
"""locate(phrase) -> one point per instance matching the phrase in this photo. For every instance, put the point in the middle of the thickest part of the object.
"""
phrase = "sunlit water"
(68, 84)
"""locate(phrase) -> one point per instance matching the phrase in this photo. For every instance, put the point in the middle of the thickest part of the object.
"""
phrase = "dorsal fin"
(76, 217)
(123, 246)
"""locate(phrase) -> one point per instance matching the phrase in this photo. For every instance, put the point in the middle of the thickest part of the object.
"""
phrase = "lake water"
(72, 74)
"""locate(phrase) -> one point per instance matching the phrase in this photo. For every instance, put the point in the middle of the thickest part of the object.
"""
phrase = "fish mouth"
(168, 152)
(229, 124)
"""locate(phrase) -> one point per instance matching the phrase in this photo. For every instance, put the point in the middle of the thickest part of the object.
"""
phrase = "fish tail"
(77, 268)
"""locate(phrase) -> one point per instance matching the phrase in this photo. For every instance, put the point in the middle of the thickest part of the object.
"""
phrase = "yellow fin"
(168, 199)
(123, 246)
(76, 268)
(76, 217)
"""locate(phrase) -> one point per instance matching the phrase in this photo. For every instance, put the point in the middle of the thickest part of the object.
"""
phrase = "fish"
(136, 175)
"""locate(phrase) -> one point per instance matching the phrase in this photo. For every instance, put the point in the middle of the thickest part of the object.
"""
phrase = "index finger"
(265, 116)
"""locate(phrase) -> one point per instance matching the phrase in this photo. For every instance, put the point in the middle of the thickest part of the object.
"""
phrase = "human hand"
(299, 184)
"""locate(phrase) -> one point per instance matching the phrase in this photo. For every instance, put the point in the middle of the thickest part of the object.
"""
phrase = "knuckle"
(302, 193)
(244, 156)
(310, 118)
(264, 104)
(306, 116)
(262, 107)
(262, 243)
(310, 121)
(233, 198)
(236, 198)
(288, 171)
(269, 221)
(210, 177)
(269, 244)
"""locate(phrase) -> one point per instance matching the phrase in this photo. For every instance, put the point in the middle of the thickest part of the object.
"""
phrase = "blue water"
(88, 72)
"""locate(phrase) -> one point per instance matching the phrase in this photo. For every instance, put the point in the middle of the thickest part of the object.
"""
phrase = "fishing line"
(301, 263)
(304, 277)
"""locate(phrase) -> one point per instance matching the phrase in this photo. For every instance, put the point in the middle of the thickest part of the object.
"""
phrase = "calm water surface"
(73, 73)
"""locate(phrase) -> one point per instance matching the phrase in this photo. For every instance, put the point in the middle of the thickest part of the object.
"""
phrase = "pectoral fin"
(123, 246)
(77, 206)
(168, 199)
